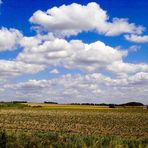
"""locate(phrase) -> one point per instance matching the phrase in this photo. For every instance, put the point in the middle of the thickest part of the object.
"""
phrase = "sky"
(73, 51)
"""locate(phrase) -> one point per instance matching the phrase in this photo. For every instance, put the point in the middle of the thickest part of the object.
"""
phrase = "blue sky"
(111, 48)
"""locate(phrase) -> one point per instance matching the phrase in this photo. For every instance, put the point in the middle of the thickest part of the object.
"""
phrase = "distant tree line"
(111, 105)
(14, 102)
(92, 104)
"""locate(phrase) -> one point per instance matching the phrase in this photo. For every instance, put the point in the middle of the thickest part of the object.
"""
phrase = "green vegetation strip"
(13, 139)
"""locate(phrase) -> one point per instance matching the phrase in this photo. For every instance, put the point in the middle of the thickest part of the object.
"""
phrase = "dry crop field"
(75, 126)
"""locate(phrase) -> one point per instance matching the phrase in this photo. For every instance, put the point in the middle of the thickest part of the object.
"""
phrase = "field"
(73, 126)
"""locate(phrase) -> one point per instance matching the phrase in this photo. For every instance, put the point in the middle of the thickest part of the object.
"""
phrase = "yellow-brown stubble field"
(92, 121)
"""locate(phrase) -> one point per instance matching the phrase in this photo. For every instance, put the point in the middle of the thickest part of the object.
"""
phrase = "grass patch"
(60, 140)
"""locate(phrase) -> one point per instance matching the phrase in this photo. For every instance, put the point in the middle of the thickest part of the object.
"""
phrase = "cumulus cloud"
(32, 41)
(9, 38)
(137, 38)
(50, 52)
(90, 58)
(54, 71)
(72, 54)
(46, 51)
(121, 68)
(9, 69)
(95, 56)
(72, 19)
(84, 88)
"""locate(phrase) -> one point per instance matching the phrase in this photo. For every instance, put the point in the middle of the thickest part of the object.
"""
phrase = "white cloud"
(83, 88)
(49, 52)
(73, 54)
(136, 38)
(54, 71)
(40, 52)
(9, 69)
(29, 42)
(72, 19)
(121, 68)
(94, 57)
(119, 26)
(9, 38)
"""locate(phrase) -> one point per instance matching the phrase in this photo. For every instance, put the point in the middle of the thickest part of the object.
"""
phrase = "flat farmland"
(80, 121)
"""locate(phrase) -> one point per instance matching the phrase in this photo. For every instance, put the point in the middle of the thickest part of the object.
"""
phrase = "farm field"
(74, 126)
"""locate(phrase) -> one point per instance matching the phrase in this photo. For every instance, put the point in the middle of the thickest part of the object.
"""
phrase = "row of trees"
(111, 105)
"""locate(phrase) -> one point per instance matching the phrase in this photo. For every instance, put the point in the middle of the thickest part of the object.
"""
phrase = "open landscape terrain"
(73, 74)
(44, 125)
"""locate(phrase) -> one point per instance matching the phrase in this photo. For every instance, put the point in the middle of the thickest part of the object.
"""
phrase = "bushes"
(111, 106)
(3, 139)
(7, 105)
(61, 140)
